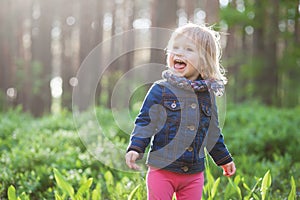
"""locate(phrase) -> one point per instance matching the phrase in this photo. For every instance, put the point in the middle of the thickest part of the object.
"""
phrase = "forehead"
(182, 38)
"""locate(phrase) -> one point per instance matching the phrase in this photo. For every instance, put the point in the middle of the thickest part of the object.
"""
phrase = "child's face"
(183, 57)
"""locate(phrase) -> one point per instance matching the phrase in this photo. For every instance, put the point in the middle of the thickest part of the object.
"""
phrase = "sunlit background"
(50, 151)
(44, 42)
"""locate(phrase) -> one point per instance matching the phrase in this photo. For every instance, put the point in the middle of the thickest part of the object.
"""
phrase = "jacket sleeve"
(215, 143)
(146, 121)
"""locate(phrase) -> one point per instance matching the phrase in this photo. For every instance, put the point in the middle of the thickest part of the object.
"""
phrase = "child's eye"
(189, 49)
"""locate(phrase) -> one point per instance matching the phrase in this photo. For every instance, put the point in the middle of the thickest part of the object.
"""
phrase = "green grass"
(44, 158)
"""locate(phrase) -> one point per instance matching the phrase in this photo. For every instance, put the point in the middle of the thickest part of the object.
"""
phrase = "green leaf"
(96, 194)
(109, 180)
(84, 187)
(237, 179)
(58, 197)
(63, 184)
(292, 194)
(266, 183)
(11, 193)
(23, 196)
(246, 186)
(210, 179)
(253, 189)
(255, 196)
(132, 193)
(215, 187)
(235, 186)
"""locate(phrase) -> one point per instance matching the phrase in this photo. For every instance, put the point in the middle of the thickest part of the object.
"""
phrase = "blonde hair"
(209, 49)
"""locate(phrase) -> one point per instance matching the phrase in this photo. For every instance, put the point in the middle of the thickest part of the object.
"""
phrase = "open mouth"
(179, 64)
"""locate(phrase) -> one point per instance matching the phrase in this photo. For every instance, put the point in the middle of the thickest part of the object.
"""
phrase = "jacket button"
(190, 149)
(191, 128)
(173, 105)
(194, 106)
(185, 168)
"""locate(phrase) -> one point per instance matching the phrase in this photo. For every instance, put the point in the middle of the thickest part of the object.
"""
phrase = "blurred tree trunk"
(265, 50)
(123, 16)
(297, 47)
(86, 19)
(21, 74)
(162, 19)
(15, 55)
(98, 37)
(271, 72)
(5, 49)
(68, 19)
(190, 9)
(130, 40)
(125, 63)
(41, 59)
(212, 9)
(229, 55)
(259, 25)
(290, 61)
(115, 47)
(90, 25)
(258, 57)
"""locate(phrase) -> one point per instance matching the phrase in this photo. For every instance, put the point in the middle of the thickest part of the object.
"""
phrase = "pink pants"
(162, 184)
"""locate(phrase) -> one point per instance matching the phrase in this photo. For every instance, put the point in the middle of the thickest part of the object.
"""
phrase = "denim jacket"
(179, 124)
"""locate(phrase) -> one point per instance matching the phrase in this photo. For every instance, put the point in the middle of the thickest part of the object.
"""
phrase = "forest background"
(43, 44)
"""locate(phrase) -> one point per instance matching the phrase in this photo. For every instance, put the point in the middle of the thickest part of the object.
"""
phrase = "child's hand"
(130, 158)
(229, 169)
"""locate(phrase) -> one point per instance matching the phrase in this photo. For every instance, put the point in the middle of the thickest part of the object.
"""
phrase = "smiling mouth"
(179, 64)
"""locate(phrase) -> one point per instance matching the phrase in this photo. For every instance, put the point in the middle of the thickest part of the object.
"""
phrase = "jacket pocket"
(173, 105)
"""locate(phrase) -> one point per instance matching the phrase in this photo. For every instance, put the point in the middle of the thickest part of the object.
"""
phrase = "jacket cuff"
(223, 161)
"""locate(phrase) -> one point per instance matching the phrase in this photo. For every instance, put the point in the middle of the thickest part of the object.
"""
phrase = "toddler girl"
(179, 118)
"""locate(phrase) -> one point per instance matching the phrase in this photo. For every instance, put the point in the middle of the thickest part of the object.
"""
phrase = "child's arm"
(145, 125)
(216, 146)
